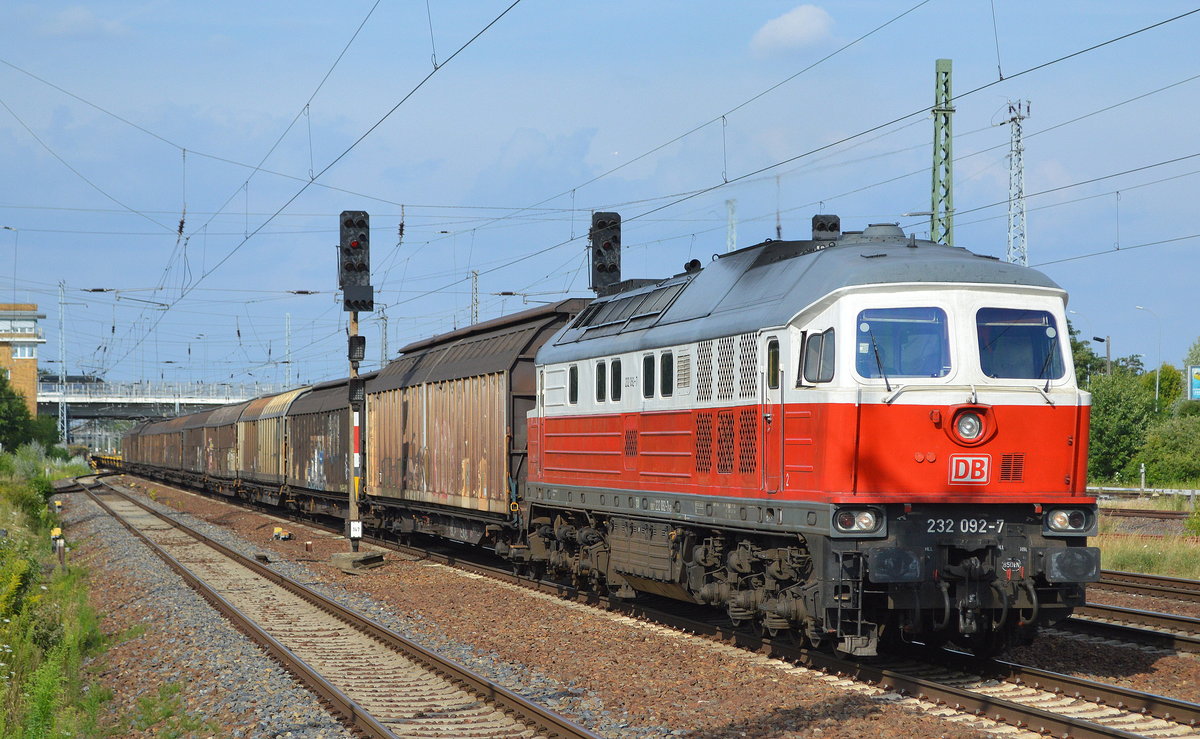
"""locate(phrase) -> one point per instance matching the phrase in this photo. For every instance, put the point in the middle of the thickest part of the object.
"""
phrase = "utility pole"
(1017, 249)
(383, 337)
(64, 423)
(354, 277)
(474, 297)
(731, 230)
(287, 350)
(941, 220)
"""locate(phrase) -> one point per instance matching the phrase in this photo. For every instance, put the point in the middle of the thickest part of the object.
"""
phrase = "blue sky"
(144, 109)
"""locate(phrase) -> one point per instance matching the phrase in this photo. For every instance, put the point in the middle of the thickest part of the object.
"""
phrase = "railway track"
(1144, 513)
(381, 683)
(1023, 697)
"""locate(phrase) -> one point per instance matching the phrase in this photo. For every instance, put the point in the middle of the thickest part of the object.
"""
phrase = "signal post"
(354, 278)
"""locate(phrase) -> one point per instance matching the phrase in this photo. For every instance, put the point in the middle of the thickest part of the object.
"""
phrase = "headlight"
(1067, 520)
(852, 521)
(969, 426)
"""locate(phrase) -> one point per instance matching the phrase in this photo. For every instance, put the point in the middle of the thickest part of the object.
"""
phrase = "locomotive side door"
(772, 418)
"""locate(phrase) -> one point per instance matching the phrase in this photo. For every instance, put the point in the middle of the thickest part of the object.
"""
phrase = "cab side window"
(819, 357)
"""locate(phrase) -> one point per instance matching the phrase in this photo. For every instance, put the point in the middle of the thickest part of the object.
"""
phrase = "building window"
(617, 381)
(666, 374)
(573, 385)
(24, 351)
(648, 376)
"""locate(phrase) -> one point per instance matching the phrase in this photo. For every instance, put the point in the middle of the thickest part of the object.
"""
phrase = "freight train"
(852, 440)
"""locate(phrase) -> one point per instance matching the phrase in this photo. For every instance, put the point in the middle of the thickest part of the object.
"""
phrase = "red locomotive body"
(854, 436)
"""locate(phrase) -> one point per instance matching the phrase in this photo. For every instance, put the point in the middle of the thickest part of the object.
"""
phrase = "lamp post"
(16, 247)
(1107, 342)
(1158, 363)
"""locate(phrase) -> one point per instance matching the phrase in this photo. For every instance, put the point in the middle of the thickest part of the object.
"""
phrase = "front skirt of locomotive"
(982, 576)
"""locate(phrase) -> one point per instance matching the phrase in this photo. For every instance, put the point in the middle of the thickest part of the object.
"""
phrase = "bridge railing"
(146, 391)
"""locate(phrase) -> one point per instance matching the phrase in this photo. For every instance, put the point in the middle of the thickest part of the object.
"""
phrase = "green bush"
(1171, 453)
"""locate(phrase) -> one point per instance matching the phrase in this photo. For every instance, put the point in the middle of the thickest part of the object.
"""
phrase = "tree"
(1171, 453)
(1122, 410)
(1193, 355)
(1087, 363)
(14, 416)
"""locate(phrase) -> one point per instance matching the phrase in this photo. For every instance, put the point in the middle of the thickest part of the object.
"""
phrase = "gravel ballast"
(617, 676)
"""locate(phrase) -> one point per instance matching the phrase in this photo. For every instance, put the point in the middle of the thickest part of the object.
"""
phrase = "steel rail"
(1175, 588)
(542, 719)
(341, 703)
(1143, 513)
(996, 709)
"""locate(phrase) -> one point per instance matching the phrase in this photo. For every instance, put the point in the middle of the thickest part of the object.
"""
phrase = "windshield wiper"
(1046, 366)
(878, 361)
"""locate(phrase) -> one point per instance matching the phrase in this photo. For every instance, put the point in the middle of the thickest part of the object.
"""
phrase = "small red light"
(354, 244)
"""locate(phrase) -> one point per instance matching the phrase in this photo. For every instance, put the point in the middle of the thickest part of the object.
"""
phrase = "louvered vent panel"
(748, 366)
(631, 442)
(725, 435)
(747, 440)
(704, 371)
(704, 442)
(1012, 468)
(726, 369)
(683, 371)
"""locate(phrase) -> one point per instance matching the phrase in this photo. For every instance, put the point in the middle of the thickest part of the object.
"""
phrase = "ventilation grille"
(725, 367)
(1012, 468)
(748, 440)
(748, 366)
(631, 442)
(704, 439)
(683, 371)
(704, 371)
(725, 435)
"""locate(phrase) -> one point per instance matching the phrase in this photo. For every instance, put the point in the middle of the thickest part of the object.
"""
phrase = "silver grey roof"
(767, 284)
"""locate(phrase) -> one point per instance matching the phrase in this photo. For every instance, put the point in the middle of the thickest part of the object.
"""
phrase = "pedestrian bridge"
(144, 399)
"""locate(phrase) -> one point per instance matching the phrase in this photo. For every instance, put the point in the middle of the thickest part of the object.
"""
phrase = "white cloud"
(78, 20)
(801, 26)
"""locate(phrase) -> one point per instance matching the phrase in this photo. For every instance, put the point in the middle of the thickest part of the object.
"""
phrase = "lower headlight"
(1067, 520)
(856, 521)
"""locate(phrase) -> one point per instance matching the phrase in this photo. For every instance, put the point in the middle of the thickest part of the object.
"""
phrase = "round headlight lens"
(845, 520)
(1061, 520)
(864, 521)
(969, 426)
(1076, 519)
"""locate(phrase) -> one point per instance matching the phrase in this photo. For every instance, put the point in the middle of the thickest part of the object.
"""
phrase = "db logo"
(972, 470)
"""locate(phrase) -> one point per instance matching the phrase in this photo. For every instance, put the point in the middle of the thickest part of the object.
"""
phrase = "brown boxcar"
(192, 453)
(220, 441)
(447, 419)
(261, 437)
(318, 438)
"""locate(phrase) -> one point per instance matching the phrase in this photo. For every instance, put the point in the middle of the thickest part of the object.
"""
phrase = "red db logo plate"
(970, 469)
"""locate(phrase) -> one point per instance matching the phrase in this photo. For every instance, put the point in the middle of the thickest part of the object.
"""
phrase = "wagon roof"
(484, 348)
(766, 285)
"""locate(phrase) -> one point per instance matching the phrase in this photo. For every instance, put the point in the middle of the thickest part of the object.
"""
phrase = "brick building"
(19, 339)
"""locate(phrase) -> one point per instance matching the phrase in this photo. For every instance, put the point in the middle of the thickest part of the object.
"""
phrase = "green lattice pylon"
(941, 219)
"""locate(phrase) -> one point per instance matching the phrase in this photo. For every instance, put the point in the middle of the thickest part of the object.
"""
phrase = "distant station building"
(19, 339)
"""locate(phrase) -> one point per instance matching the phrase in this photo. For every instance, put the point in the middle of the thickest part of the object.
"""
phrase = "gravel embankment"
(168, 636)
(619, 677)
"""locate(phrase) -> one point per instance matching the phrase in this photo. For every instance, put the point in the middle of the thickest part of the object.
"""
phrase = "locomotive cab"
(959, 509)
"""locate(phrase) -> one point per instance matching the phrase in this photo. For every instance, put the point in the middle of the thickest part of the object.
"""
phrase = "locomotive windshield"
(1020, 344)
(902, 342)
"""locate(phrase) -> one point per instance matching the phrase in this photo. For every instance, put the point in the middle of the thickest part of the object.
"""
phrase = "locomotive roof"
(767, 285)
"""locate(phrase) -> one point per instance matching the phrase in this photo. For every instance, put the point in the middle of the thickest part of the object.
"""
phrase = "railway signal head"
(605, 236)
(354, 261)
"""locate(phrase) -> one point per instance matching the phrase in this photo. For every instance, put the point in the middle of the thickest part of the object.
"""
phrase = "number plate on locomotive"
(965, 525)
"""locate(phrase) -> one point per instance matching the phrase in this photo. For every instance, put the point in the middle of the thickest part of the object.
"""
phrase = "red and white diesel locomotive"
(859, 437)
